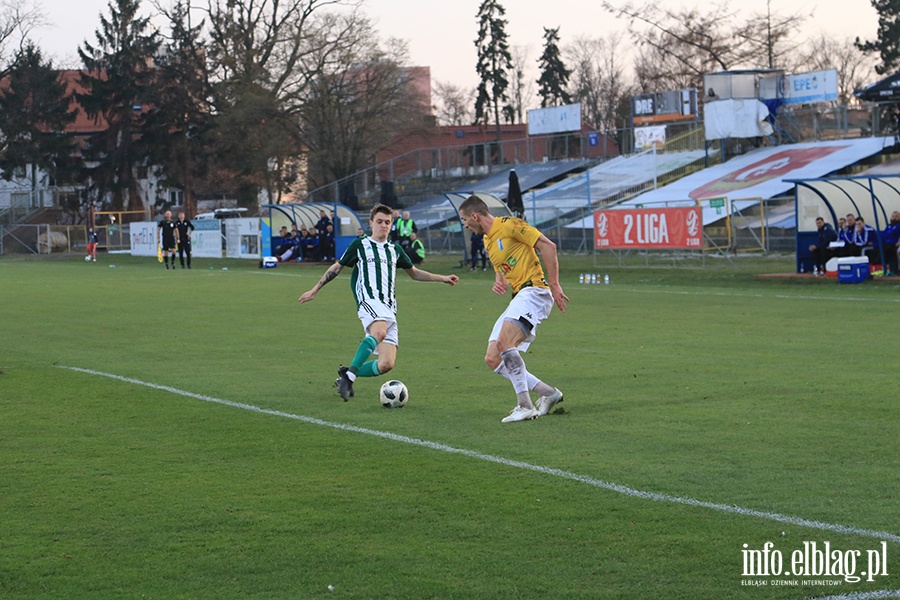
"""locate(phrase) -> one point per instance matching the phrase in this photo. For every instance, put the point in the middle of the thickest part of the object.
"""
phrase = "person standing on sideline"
(417, 249)
(167, 238)
(184, 227)
(512, 245)
(395, 235)
(374, 260)
(890, 240)
(478, 252)
(405, 228)
(93, 240)
(323, 223)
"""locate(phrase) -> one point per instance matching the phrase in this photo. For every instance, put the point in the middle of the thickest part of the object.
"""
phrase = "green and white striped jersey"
(374, 276)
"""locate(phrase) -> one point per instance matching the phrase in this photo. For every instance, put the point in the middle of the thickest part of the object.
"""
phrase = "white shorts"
(531, 305)
(369, 312)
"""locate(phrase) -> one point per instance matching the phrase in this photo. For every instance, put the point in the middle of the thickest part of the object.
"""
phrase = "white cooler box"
(853, 269)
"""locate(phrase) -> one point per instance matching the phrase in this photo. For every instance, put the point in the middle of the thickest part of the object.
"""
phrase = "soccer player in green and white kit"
(374, 260)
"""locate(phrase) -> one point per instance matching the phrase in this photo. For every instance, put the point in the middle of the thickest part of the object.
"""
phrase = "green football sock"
(362, 353)
(369, 369)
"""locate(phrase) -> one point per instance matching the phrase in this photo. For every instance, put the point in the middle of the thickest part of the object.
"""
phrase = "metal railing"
(411, 171)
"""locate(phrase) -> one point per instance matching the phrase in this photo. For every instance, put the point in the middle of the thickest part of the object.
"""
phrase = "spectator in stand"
(417, 250)
(890, 243)
(820, 250)
(322, 223)
(477, 242)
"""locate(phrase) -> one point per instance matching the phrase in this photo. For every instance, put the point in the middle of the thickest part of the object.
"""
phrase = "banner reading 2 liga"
(648, 228)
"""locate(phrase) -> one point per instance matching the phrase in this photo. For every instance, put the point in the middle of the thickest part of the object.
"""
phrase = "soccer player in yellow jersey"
(512, 245)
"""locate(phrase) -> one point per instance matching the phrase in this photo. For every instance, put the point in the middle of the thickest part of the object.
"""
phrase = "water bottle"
(606, 279)
(815, 270)
(801, 268)
(581, 278)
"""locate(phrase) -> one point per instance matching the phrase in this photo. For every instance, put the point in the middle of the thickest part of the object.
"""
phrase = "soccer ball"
(393, 394)
(87, 258)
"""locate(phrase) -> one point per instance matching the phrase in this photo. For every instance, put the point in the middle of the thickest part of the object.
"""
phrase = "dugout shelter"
(497, 207)
(873, 197)
(275, 216)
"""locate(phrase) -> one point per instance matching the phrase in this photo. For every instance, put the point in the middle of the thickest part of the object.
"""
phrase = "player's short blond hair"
(474, 204)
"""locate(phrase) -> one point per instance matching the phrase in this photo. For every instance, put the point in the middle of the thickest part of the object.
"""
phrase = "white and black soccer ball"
(87, 258)
(393, 394)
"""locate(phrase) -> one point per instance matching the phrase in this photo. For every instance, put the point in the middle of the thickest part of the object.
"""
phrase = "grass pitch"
(705, 409)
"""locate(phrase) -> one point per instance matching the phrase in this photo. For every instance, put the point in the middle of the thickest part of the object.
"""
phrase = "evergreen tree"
(176, 130)
(887, 46)
(34, 113)
(494, 65)
(554, 75)
(118, 80)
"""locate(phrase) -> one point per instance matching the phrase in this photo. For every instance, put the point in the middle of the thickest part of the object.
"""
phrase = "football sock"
(515, 366)
(366, 347)
(369, 369)
(533, 382)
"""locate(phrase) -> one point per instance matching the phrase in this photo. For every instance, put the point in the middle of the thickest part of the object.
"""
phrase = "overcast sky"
(441, 33)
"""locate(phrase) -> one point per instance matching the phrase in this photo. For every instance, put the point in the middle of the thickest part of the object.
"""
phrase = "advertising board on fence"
(206, 239)
(664, 228)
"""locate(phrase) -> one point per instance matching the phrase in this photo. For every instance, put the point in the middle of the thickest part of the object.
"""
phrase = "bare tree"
(677, 46)
(598, 80)
(18, 18)
(265, 56)
(520, 84)
(854, 67)
(358, 106)
(454, 103)
(771, 38)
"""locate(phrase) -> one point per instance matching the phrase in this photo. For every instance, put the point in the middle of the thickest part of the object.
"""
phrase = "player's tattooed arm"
(329, 275)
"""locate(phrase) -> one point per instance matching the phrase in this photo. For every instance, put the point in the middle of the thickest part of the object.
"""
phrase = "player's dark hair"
(383, 209)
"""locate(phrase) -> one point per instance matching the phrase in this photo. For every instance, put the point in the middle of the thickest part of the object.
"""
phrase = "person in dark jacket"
(323, 223)
(478, 251)
(890, 240)
(820, 250)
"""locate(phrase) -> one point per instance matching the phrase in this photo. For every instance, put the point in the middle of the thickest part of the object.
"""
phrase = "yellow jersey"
(510, 246)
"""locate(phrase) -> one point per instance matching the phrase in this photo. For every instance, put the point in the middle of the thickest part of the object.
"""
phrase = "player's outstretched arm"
(551, 262)
(330, 274)
(418, 274)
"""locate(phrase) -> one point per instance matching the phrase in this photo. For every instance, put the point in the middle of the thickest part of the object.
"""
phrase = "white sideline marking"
(652, 290)
(598, 483)
(877, 595)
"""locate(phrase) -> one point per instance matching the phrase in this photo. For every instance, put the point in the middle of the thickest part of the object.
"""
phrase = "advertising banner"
(663, 107)
(206, 239)
(555, 119)
(818, 86)
(647, 137)
(665, 228)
